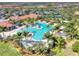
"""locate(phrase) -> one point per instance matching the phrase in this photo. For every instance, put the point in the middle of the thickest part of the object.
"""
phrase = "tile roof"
(23, 17)
(5, 24)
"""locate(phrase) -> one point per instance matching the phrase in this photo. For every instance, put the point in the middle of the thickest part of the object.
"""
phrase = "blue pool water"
(38, 33)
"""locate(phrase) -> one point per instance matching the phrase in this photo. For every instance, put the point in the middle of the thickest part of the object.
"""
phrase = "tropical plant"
(19, 35)
(30, 20)
(2, 28)
(39, 48)
(59, 44)
(48, 35)
(25, 34)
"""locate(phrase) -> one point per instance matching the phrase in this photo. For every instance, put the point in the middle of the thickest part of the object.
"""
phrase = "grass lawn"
(6, 49)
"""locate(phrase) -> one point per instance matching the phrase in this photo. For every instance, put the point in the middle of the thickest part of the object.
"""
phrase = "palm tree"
(50, 38)
(19, 35)
(25, 34)
(58, 42)
(30, 20)
(14, 37)
(70, 29)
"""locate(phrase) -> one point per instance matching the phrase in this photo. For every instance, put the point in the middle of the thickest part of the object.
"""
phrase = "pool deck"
(27, 42)
(10, 33)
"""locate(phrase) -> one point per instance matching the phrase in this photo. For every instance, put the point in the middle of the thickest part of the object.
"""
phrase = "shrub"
(2, 28)
(75, 46)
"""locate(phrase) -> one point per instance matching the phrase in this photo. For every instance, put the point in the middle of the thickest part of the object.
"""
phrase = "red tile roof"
(15, 17)
(23, 17)
(6, 24)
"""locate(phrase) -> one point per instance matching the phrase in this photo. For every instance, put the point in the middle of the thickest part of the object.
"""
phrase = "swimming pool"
(38, 32)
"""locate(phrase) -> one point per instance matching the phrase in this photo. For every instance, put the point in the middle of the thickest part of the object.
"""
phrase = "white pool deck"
(28, 42)
(12, 32)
